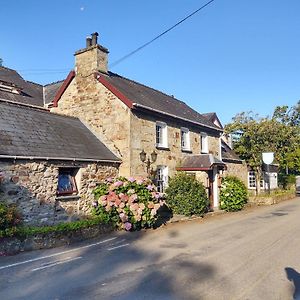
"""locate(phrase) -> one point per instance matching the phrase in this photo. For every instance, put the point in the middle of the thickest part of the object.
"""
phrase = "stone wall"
(32, 187)
(102, 112)
(239, 170)
(143, 137)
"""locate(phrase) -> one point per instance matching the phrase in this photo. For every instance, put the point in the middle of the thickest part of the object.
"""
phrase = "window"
(161, 178)
(185, 139)
(66, 181)
(251, 179)
(204, 143)
(161, 135)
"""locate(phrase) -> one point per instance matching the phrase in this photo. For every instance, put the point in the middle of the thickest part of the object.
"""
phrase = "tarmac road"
(252, 254)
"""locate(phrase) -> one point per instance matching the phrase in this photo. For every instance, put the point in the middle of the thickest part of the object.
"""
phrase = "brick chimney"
(91, 59)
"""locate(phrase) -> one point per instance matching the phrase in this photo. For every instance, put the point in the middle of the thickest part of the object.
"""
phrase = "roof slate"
(31, 132)
(157, 100)
(50, 91)
(200, 162)
(228, 154)
(31, 93)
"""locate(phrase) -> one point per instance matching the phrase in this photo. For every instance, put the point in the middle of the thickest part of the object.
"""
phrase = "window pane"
(251, 179)
(158, 134)
(66, 182)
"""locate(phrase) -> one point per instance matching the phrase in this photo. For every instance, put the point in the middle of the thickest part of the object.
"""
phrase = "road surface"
(252, 254)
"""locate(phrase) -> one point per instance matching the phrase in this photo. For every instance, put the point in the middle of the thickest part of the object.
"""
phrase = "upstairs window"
(66, 181)
(161, 135)
(185, 139)
(204, 143)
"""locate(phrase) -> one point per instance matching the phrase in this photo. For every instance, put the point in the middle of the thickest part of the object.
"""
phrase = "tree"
(1, 62)
(279, 134)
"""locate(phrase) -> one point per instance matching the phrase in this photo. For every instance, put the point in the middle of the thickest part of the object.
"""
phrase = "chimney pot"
(88, 41)
(94, 38)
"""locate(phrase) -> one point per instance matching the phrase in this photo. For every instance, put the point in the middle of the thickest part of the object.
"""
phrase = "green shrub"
(127, 203)
(186, 196)
(9, 216)
(286, 181)
(233, 195)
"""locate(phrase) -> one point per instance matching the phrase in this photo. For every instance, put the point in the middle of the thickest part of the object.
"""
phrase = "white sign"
(268, 157)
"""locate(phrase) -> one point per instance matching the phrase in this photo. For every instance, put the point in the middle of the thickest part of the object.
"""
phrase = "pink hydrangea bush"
(129, 203)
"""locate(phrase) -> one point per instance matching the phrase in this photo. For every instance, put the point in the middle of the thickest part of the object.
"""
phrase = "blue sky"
(233, 56)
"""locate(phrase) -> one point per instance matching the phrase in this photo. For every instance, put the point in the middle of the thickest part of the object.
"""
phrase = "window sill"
(162, 148)
(67, 197)
(186, 151)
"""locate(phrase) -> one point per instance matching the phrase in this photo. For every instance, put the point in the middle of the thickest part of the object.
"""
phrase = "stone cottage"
(49, 163)
(153, 133)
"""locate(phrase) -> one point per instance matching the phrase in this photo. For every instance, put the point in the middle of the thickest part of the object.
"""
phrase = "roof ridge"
(41, 109)
(33, 82)
(54, 82)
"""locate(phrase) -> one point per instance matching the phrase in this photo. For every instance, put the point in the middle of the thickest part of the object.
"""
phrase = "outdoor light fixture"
(147, 161)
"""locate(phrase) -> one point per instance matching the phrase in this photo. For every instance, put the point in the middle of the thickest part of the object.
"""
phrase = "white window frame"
(161, 141)
(162, 173)
(252, 181)
(204, 142)
(185, 139)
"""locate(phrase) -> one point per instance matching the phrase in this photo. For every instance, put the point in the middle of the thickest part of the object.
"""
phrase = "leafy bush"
(186, 195)
(286, 181)
(233, 195)
(9, 216)
(129, 204)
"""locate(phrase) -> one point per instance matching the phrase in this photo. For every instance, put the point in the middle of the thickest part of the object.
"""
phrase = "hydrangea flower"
(127, 226)
(149, 187)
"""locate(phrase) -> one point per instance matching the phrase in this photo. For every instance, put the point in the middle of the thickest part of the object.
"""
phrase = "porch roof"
(202, 162)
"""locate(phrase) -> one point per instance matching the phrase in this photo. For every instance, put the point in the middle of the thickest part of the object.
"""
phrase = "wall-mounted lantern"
(148, 161)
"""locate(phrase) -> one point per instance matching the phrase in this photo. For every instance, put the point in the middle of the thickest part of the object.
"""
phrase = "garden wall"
(14, 245)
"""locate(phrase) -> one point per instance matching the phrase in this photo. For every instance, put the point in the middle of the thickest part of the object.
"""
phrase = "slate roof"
(156, 100)
(200, 162)
(31, 93)
(50, 91)
(37, 133)
(228, 154)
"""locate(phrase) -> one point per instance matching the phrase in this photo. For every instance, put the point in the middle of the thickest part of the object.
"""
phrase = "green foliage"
(279, 134)
(24, 231)
(127, 203)
(233, 195)
(9, 216)
(186, 196)
(286, 180)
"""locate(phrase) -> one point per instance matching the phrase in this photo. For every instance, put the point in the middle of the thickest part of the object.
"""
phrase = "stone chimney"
(91, 59)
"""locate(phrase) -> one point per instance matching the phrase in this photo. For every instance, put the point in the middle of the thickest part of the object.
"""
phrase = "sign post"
(268, 158)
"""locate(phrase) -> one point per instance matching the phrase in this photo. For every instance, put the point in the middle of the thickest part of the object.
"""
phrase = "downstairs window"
(66, 181)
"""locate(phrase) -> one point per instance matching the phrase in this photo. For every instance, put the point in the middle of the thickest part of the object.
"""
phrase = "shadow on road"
(294, 276)
(126, 273)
